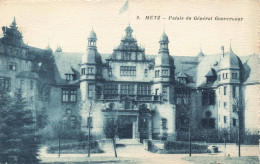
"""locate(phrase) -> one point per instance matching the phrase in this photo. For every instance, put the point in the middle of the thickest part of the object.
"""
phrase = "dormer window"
(70, 77)
(210, 79)
(182, 80)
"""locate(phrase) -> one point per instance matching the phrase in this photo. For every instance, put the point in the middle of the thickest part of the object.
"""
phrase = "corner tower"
(229, 90)
(164, 71)
(91, 69)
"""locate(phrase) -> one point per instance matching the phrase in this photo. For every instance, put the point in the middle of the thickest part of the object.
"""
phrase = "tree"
(59, 127)
(18, 131)
(112, 125)
(88, 107)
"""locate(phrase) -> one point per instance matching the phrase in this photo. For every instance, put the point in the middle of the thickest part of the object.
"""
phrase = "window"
(225, 105)
(21, 84)
(234, 92)
(91, 91)
(69, 95)
(164, 93)
(98, 71)
(127, 89)
(73, 96)
(70, 77)
(143, 89)
(212, 98)
(31, 85)
(164, 123)
(12, 66)
(225, 119)
(127, 105)
(219, 77)
(165, 72)
(5, 83)
(205, 98)
(226, 75)
(234, 122)
(83, 71)
(225, 90)
(146, 72)
(223, 76)
(157, 73)
(234, 108)
(110, 89)
(89, 122)
(127, 71)
(234, 76)
(90, 70)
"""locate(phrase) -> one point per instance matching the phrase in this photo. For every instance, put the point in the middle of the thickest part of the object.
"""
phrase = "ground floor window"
(208, 123)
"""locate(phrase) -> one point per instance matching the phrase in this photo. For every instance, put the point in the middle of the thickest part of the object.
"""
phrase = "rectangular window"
(225, 90)
(69, 77)
(73, 96)
(5, 83)
(83, 71)
(205, 98)
(146, 72)
(127, 105)
(69, 95)
(225, 105)
(212, 98)
(164, 123)
(225, 119)
(226, 75)
(91, 91)
(219, 77)
(164, 93)
(31, 85)
(234, 122)
(21, 84)
(89, 122)
(12, 66)
(91, 70)
(143, 89)
(234, 108)
(127, 71)
(234, 91)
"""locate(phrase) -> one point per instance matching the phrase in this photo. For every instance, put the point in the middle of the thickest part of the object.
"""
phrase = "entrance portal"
(126, 131)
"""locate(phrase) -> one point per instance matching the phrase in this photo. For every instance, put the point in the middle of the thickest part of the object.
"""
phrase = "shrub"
(250, 138)
(76, 147)
(183, 147)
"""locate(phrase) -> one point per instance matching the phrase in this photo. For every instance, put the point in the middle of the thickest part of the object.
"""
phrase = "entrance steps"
(128, 142)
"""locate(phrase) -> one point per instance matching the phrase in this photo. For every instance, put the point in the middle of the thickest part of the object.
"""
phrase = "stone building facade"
(153, 96)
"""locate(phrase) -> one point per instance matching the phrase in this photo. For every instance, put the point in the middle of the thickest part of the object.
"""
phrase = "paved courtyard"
(135, 153)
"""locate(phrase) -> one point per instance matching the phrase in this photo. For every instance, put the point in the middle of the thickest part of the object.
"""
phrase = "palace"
(154, 96)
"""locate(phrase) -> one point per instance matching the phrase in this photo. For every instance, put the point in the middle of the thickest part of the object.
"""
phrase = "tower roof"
(229, 60)
(92, 35)
(164, 37)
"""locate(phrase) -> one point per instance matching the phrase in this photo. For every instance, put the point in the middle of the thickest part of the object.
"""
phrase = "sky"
(68, 23)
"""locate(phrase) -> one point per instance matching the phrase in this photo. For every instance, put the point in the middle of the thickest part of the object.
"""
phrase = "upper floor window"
(12, 66)
(70, 77)
(157, 73)
(127, 71)
(226, 75)
(219, 77)
(91, 91)
(111, 89)
(164, 93)
(225, 105)
(165, 72)
(31, 85)
(146, 72)
(90, 70)
(5, 83)
(234, 122)
(127, 89)
(225, 119)
(234, 92)
(83, 71)
(225, 90)
(164, 123)
(208, 98)
(69, 95)
(143, 89)
(234, 75)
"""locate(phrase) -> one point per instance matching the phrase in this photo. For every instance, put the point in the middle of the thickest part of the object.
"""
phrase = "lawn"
(222, 160)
